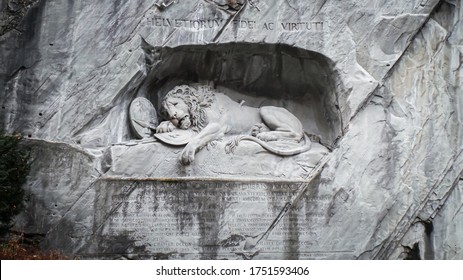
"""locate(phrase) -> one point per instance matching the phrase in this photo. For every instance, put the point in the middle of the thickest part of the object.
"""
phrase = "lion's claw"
(188, 155)
(165, 126)
(232, 144)
(258, 128)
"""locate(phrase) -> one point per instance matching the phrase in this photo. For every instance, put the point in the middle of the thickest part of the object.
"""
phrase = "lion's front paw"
(188, 154)
(165, 126)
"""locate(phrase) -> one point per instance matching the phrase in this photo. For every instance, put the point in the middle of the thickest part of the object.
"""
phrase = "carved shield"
(143, 117)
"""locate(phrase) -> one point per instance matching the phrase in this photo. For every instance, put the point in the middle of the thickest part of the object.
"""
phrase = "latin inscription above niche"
(230, 111)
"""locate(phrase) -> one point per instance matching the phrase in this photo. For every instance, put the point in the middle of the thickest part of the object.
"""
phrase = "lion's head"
(185, 107)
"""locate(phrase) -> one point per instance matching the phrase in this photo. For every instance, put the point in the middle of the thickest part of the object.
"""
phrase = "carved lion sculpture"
(214, 115)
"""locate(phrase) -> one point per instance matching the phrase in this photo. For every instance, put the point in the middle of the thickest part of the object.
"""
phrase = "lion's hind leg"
(282, 124)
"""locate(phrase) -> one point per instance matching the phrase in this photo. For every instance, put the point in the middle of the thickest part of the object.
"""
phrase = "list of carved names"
(180, 218)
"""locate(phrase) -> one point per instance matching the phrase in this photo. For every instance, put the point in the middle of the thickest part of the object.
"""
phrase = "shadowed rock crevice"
(413, 253)
(12, 13)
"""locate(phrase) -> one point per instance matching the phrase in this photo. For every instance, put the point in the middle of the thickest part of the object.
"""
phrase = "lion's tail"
(230, 147)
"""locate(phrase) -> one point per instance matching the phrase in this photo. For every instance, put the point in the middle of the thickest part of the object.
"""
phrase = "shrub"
(14, 167)
(17, 248)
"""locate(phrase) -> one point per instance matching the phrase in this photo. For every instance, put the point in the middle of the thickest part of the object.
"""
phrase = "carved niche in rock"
(232, 110)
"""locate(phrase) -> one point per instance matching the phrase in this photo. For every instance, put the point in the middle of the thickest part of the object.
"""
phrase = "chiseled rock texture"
(382, 80)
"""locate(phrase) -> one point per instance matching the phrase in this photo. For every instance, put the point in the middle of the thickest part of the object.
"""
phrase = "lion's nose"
(172, 114)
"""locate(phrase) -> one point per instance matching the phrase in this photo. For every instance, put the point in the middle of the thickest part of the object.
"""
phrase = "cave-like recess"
(304, 82)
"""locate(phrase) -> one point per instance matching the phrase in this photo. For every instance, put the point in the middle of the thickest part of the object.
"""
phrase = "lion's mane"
(197, 103)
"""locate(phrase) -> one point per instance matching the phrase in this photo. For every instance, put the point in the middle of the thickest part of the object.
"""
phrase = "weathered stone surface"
(212, 220)
(93, 49)
(380, 81)
(54, 189)
(130, 162)
(447, 227)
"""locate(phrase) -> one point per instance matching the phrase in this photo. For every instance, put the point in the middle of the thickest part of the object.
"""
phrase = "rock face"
(375, 84)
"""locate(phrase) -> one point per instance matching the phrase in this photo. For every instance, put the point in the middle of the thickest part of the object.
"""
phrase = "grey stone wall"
(384, 81)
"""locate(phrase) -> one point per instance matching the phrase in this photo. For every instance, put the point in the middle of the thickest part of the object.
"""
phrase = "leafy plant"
(14, 167)
(17, 248)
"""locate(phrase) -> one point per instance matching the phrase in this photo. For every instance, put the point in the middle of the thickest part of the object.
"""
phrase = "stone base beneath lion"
(151, 159)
